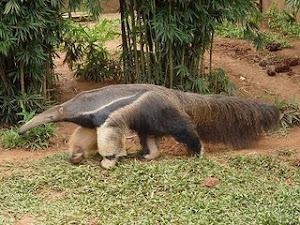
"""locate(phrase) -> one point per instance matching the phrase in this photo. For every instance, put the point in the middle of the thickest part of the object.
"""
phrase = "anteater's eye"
(61, 110)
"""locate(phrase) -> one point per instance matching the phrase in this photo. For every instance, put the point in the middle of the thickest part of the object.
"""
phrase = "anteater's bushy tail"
(232, 120)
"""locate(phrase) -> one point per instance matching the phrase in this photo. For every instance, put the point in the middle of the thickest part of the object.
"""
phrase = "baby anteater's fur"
(153, 111)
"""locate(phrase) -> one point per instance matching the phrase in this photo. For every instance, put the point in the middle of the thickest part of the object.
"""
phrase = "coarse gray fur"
(153, 111)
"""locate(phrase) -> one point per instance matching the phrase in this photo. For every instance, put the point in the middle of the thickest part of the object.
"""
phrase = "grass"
(36, 138)
(233, 31)
(286, 152)
(290, 110)
(283, 22)
(252, 190)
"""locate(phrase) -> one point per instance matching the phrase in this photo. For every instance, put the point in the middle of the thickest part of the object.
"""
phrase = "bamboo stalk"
(260, 5)
(45, 80)
(130, 43)
(211, 51)
(127, 39)
(147, 62)
(202, 51)
(171, 62)
(22, 77)
(124, 39)
(171, 65)
(182, 63)
(141, 41)
(137, 67)
(157, 54)
(4, 81)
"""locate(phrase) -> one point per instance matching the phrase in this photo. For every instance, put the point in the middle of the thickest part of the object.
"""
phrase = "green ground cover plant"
(283, 22)
(230, 30)
(252, 190)
(290, 110)
(36, 138)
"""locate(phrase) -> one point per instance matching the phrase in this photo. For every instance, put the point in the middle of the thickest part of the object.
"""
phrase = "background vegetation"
(86, 52)
(239, 32)
(29, 33)
(29, 30)
(36, 138)
(283, 22)
(164, 41)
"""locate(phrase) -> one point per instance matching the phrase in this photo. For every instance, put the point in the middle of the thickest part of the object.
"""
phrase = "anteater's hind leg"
(83, 142)
(183, 131)
(191, 140)
(150, 149)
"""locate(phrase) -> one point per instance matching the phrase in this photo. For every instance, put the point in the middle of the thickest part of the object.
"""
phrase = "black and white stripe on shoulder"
(97, 117)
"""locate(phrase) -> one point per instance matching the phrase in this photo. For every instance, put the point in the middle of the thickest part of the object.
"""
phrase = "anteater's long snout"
(51, 115)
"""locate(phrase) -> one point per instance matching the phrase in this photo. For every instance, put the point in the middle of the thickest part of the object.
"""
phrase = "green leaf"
(11, 7)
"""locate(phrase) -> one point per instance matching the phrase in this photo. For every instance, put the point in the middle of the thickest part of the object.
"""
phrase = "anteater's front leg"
(110, 142)
(82, 144)
(149, 146)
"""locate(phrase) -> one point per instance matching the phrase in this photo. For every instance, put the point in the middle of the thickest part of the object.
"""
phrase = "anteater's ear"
(61, 110)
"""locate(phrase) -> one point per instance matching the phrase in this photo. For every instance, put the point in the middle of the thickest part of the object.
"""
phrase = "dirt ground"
(246, 67)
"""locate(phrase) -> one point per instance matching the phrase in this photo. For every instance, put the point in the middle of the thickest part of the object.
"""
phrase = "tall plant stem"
(211, 50)
(136, 60)
(124, 39)
(182, 63)
(141, 41)
(157, 50)
(48, 73)
(260, 5)
(22, 77)
(4, 81)
(201, 55)
(129, 42)
(171, 64)
(148, 66)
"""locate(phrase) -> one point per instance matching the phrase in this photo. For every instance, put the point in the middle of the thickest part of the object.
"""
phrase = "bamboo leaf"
(11, 7)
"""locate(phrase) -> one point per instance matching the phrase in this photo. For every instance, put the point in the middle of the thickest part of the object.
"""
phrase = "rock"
(282, 68)
(242, 78)
(292, 61)
(271, 72)
(263, 63)
(210, 182)
(272, 47)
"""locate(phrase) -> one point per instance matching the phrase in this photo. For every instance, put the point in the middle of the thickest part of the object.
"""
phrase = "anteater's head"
(54, 114)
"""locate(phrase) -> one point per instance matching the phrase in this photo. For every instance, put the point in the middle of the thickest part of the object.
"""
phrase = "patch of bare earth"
(210, 182)
(93, 221)
(50, 195)
(241, 61)
(26, 219)
(243, 64)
